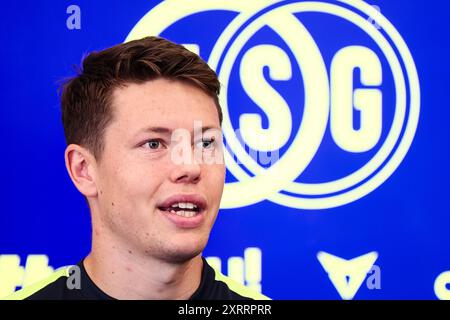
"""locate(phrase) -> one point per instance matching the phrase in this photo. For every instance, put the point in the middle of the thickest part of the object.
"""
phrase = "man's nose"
(187, 169)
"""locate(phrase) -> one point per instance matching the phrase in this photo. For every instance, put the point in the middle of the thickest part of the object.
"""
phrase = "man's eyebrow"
(156, 130)
(206, 128)
(164, 130)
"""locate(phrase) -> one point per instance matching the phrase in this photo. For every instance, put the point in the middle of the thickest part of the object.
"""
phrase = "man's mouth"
(182, 209)
(185, 210)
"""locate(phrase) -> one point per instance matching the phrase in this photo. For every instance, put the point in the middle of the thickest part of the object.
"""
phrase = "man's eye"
(207, 143)
(153, 144)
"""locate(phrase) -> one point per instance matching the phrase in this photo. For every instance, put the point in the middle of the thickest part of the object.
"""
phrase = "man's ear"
(80, 165)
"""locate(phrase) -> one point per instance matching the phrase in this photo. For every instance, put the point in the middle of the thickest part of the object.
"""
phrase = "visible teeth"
(184, 205)
(189, 205)
(186, 214)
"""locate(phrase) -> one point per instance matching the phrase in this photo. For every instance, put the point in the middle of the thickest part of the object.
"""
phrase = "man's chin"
(181, 256)
(181, 252)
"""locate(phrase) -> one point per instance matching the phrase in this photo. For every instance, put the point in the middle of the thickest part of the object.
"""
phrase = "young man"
(153, 194)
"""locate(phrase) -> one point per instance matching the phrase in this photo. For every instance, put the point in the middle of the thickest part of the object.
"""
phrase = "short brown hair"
(86, 98)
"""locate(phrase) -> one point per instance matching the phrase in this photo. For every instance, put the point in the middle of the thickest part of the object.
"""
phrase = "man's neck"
(122, 274)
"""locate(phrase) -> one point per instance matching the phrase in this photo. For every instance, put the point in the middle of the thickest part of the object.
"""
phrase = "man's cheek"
(217, 177)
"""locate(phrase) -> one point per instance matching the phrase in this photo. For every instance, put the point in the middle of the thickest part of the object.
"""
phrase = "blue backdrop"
(401, 226)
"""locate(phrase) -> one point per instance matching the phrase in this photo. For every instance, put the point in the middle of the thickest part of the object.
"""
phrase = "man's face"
(143, 186)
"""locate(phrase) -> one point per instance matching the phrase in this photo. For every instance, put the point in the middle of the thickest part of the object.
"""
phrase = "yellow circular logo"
(329, 98)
